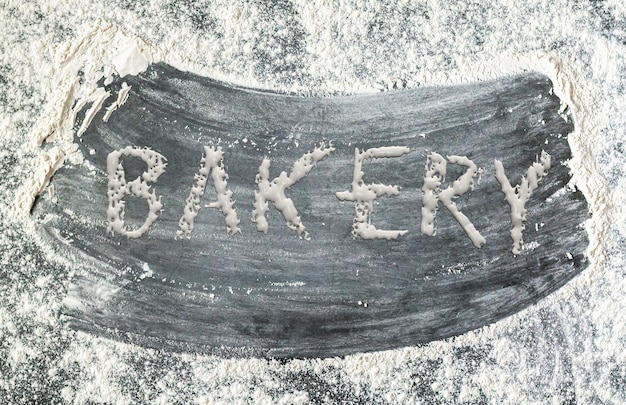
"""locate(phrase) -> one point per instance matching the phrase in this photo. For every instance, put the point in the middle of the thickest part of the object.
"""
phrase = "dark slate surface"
(277, 295)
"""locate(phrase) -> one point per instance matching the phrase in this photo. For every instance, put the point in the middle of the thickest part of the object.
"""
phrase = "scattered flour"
(569, 348)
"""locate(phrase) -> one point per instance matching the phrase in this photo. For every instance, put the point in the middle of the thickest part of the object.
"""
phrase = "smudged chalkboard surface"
(278, 295)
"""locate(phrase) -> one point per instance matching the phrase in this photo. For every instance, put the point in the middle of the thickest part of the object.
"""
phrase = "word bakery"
(274, 191)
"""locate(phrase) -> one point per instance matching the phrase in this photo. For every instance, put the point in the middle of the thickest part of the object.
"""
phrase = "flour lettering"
(274, 191)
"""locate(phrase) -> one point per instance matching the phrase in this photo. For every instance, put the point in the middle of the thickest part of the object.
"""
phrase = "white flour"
(570, 348)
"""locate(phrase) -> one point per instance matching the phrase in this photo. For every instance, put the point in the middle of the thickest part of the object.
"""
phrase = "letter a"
(210, 165)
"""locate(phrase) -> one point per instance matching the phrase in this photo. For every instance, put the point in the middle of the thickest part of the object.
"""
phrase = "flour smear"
(58, 57)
